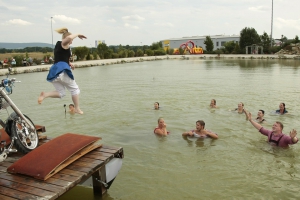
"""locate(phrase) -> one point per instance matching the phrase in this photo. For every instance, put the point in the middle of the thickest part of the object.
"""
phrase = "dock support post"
(98, 188)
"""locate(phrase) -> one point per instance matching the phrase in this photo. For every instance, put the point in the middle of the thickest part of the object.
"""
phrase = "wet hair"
(214, 101)
(201, 122)
(262, 111)
(157, 103)
(71, 105)
(283, 107)
(280, 124)
(159, 119)
(64, 32)
(242, 103)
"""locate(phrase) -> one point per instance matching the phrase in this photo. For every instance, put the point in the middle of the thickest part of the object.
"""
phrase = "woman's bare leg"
(44, 95)
(75, 99)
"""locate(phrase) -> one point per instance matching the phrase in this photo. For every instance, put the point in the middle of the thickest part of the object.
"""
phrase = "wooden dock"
(15, 186)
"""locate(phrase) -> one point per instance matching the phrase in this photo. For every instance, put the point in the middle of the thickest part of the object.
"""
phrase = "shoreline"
(92, 63)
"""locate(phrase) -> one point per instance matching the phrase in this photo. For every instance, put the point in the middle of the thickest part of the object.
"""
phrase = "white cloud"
(167, 24)
(66, 19)
(290, 23)
(133, 18)
(131, 26)
(258, 9)
(112, 20)
(18, 22)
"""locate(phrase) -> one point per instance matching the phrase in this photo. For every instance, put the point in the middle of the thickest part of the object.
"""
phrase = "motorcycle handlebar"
(7, 82)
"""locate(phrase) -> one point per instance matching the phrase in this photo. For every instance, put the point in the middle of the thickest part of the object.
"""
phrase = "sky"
(142, 22)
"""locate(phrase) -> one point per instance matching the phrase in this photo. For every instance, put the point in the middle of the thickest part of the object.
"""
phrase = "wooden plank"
(67, 177)
(17, 194)
(79, 168)
(98, 157)
(111, 147)
(32, 182)
(107, 150)
(2, 197)
(61, 183)
(89, 160)
(87, 164)
(97, 152)
(72, 172)
(27, 189)
(40, 128)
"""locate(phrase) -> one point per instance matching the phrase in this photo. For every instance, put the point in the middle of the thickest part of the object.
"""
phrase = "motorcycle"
(19, 127)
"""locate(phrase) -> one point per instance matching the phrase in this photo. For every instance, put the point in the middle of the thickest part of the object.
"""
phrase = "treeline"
(107, 52)
(248, 37)
(27, 50)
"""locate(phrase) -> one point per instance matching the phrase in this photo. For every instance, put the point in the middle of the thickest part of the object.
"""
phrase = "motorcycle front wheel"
(25, 139)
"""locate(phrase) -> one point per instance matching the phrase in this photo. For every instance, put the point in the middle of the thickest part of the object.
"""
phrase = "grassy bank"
(37, 55)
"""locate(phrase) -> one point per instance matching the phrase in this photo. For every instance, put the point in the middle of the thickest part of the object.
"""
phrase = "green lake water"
(117, 101)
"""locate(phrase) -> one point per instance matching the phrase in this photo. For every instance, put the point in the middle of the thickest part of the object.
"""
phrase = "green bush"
(88, 57)
(149, 52)
(139, 53)
(123, 53)
(159, 52)
(19, 59)
(131, 53)
(95, 55)
(81, 52)
(115, 55)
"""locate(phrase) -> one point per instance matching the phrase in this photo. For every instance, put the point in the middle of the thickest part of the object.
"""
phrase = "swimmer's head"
(71, 107)
(282, 106)
(156, 105)
(277, 126)
(201, 123)
(260, 113)
(161, 122)
(241, 105)
(213, 102)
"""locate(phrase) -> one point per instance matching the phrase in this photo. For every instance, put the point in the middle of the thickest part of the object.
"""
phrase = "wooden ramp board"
(53, 156)
(17, 186)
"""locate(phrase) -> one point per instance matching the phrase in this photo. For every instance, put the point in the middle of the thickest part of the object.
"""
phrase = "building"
(198, 41)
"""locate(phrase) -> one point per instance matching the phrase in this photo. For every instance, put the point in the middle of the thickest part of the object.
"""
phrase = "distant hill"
(4, 45)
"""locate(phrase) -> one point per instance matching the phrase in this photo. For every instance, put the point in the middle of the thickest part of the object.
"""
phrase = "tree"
(139, 53)
(102, 49)
(248, 36)
(108, 54)
(81, 52)
(229, 46)
(209, 45)
(131, 53)
(283, 40)
(265, 42)
(296, 40)
(149, 52)
(237, 49)
(156, 45)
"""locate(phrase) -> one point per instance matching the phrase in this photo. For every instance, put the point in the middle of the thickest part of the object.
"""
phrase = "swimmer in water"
(161, 129)
(200, 131)
(275, 136)
(213, 103)
(281, 109)
(240, 108)
(156, 106)
(71, 109)
(260, 116)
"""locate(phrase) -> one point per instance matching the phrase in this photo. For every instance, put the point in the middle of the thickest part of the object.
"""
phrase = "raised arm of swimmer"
(254, 123)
